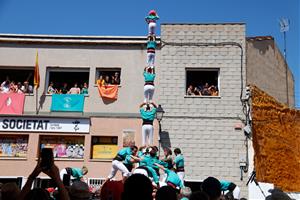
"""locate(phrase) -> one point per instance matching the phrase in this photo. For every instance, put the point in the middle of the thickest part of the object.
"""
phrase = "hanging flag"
(67, 102)
(108, 91)
(36, 72)
(12, 103)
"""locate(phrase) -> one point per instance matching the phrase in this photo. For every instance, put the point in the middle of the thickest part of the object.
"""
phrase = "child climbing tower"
(148, 107)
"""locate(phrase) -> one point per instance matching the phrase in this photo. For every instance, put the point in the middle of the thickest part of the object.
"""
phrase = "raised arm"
(27, 187)
(154, 104)
(142, 104)
(53, 173)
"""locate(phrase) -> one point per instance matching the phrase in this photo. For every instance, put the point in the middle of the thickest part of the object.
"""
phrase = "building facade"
(204, 127)
(267, 69)
(201, 75)
(91, 137)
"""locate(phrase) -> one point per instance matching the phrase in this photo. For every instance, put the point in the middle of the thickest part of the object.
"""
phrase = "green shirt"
(77, 173)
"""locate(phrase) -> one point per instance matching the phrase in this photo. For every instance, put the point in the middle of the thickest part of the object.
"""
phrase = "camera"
(46, 158)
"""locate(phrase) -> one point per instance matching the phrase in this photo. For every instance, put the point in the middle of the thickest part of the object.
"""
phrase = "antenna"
(284, 27)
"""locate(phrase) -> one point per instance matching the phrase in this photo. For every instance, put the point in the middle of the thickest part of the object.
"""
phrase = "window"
(109, 75)
(64, 146)
(104, 147)
(13, 146)
(21, 78)
(63, 79)
(202, 82)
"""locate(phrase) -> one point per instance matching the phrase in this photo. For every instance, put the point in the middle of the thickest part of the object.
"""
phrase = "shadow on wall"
(165, 139)
(42, 100)
(107, 101)
(264, 46)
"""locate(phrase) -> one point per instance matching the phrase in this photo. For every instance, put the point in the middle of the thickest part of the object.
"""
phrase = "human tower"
(148, 107)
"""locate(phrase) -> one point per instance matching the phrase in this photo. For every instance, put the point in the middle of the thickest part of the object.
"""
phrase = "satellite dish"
(284, 24)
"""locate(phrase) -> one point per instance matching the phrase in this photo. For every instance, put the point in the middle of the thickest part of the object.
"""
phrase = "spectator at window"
(51, 89)
(205, 90)
(100, 81)
(5, 86)
(26, 88)
(197, 91)
(106, 80)
(74, 90)
(19, 86)
(213, 91)
(190, 90)
(84, 89)
(115, 79)
(64, 89)
(12, 87)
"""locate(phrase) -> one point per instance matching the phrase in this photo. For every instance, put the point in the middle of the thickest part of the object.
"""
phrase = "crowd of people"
(8, 86)
(109, 80)
(202, 90)
(145, 176)
(65, 89)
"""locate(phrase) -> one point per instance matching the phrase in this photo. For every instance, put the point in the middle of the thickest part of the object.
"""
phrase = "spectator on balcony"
(5, 86)
(26, 88)
(74, 90)
(64, 89)
(51, 89)
(19, 88)
(100, 81)
(13, 87)
(115, 79)
(84, 89)
(106, 80)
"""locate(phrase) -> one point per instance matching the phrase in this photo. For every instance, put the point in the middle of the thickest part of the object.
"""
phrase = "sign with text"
(44, 124)
(102, 151)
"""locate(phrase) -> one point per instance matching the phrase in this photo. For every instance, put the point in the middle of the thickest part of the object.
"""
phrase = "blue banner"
(67, 102)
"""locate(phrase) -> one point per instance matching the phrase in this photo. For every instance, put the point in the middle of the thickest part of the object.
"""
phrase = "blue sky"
(116, 17)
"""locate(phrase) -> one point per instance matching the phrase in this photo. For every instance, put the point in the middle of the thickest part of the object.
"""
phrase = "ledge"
(204, 97)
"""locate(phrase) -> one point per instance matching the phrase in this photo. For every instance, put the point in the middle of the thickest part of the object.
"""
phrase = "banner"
(67, 102)
(276, 139)
(12, 103)
(45, 125)
(102, 151)
(108, 91)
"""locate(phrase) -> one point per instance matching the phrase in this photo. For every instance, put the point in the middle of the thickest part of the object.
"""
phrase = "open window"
(22, 78)
(63, 79)
(202, 82)
(109, 75)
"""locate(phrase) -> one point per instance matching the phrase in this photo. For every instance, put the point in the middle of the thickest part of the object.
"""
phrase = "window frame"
(188, 69)
(5, 67)
(50, 69)
(112, 137)
(118, 69)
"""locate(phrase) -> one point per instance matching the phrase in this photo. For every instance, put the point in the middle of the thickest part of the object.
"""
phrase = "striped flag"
(36, 72)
